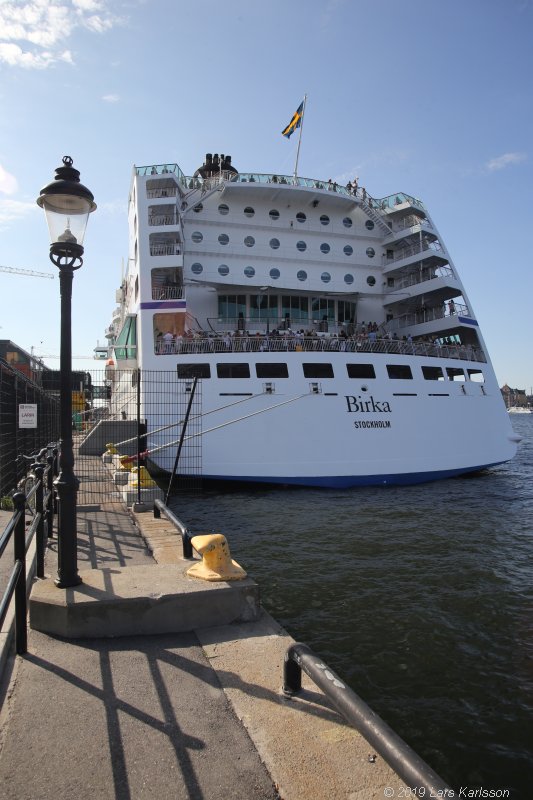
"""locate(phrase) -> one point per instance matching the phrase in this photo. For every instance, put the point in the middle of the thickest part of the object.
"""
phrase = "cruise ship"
(329, 330)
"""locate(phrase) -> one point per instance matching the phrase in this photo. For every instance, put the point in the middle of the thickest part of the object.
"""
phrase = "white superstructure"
(334, 340)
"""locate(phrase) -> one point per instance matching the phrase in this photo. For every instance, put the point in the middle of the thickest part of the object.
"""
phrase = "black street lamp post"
(67, 205)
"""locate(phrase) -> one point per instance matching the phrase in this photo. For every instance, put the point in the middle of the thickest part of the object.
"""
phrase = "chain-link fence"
(152, 417)
(29, 420)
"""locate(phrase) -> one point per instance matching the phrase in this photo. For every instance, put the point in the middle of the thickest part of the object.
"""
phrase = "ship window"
(433, 373)
(268, 370)
(197, 268)
(223, 269)
(198, 207)
(274, 273)
(318, 370)
(294, 308)
(347, 222)
(230, 306)
(197, 237)
(274, 244)
(194, 370)
(324, 247)
(301, 275)
(369, 225)
(348, 278)
(360, 370)
(248, 211)
(370, 252)
(371, 280)
(476, 375)
(301, 246)
(346, 311)
(300, 216)
(399, 371)
(455, 374)
(249, 241)
(223, 209)
(324, 219)
(223, 238)
(348, 249)
(231, 370)
(249, 272)
(325, 277)
(273, 214)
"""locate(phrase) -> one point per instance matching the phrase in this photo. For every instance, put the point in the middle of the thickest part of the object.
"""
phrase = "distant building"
(514, 397)
(24, 362)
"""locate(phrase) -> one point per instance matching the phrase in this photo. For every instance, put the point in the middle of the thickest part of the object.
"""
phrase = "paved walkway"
(136, 717)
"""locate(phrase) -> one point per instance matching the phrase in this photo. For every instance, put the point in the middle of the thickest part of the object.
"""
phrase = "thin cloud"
(111, 98)
(8, 182)
(506, 160)
(14, 210)
(33, 34)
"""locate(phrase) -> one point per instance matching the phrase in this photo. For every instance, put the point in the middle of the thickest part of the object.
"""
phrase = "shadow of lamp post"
(67, 205)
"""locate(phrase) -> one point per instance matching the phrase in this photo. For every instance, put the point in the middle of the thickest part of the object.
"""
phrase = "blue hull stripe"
(347, 481)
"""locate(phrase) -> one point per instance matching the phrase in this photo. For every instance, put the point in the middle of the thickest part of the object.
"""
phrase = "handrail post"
(39, 510)
(21, 635)
(50, 496)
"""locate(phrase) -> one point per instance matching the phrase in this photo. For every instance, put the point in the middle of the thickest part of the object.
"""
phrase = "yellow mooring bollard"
(216, 564)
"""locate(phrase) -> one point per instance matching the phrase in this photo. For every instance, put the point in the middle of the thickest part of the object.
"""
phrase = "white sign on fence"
(27, 415)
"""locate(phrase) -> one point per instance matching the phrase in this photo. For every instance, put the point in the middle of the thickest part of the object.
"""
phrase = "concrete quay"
(194, 710)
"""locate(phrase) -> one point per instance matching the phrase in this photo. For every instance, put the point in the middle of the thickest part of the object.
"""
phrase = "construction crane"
(16, 271)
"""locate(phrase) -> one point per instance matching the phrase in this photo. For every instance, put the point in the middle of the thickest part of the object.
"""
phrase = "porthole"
(370, 252)
(348, 249)
(223, 209)
(249, 241)
(274, 244)
(273, 214)
(324, 219)
(325, 277)
(300, 216)
(223, 269)
(324, 247)
(301, 246)
(274, 273)
(196, 237)
(198, 207)
(369, 225)
(223, 238)
(301, 275)
(197, 268)
(249, 272)
(348, 279)
(347, 222)
(248, 211)
(371, 280)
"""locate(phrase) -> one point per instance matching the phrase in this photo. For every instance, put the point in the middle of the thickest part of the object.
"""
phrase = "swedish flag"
(295, 122)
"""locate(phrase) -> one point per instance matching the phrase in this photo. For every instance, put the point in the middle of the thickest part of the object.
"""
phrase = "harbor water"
(420, 597)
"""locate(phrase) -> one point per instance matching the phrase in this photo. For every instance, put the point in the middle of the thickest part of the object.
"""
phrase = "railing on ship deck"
(319, 343)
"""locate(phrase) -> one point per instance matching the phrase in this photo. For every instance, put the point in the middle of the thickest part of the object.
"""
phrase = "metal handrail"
(41, 527)
(404, 761)
(161, 508)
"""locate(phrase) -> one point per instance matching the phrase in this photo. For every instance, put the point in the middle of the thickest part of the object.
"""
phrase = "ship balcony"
(110, 332)
(162, 215)
(169, 245)
(442, 285)
(432, 255)
(442, 320)
(411, 233)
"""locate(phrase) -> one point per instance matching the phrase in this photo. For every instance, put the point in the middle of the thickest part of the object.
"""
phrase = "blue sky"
(428, 97)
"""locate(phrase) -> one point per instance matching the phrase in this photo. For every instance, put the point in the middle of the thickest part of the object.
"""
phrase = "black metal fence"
(17, 391)
(142, 414)
(149, 418)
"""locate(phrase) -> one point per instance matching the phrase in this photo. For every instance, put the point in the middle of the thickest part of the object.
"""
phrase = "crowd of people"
(363, 338)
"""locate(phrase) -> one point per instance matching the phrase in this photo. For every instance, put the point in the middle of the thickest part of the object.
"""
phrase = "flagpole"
(299, 140)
